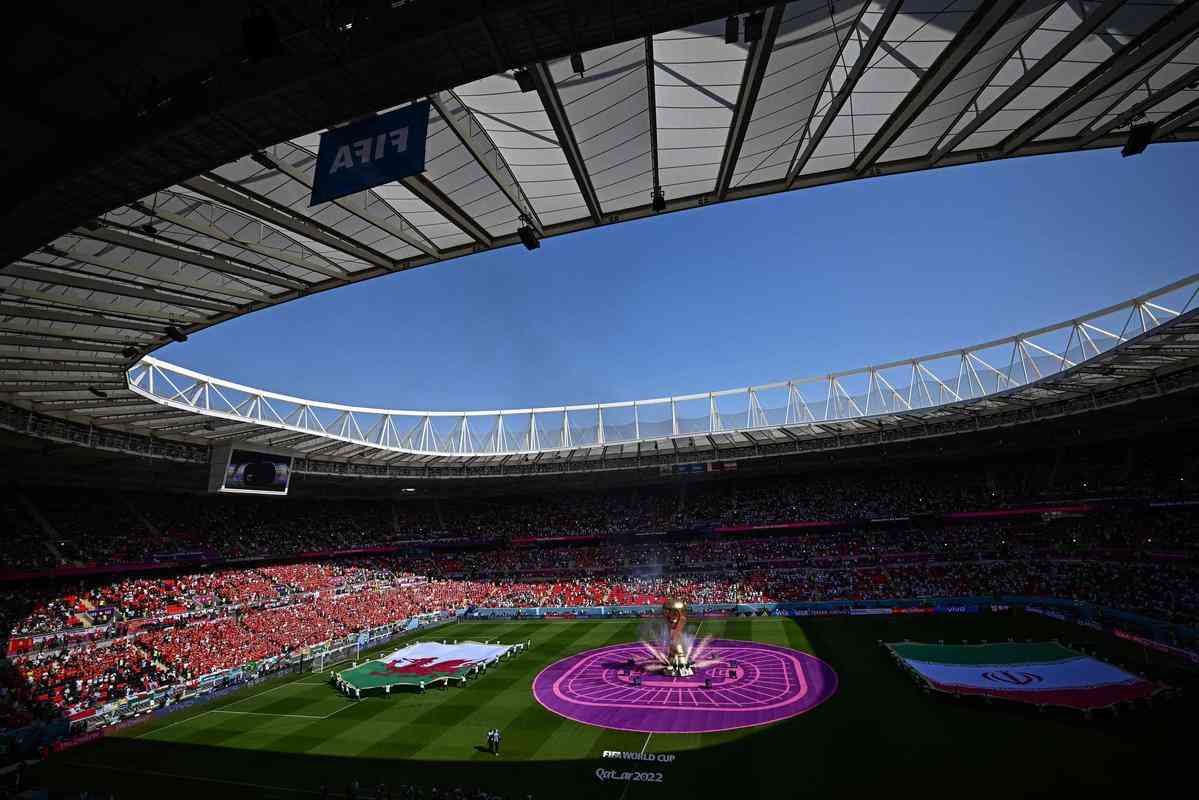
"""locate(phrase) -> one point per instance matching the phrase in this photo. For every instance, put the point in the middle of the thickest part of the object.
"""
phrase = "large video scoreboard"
(242, 469)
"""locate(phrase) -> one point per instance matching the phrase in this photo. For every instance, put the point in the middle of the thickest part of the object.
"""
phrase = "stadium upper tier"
(797, 95)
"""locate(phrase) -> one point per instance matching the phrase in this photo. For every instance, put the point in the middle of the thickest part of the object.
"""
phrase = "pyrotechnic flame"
(697, 648)
(653, 651)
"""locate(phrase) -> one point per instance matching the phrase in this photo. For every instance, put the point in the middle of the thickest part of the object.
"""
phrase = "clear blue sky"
(748, 292)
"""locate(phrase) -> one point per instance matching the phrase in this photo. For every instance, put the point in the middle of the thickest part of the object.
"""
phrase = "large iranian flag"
(1042, 673)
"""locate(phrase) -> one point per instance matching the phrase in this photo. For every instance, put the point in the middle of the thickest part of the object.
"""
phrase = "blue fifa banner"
(371, 152)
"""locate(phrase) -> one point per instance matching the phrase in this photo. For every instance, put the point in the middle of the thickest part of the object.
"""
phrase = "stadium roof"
(808, 93)
(1079, 358)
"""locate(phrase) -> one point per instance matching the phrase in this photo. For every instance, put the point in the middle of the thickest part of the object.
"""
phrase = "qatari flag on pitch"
(1041, 673)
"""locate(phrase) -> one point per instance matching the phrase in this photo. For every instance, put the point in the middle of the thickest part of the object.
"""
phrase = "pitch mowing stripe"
(566, 739)
(171, 720)
(509, 696)
(768, 630)
(227, 727)
(797, 637)
(438, 721)
(311, 704)
(150, 733)
(407, 711)
(526, 725)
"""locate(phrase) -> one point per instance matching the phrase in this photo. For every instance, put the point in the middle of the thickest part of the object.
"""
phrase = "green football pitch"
(879, 734)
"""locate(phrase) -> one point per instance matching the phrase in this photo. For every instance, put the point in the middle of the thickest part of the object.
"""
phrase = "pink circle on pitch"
(751, 684)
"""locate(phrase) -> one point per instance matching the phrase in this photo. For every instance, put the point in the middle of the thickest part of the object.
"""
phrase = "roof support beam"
(140, 417)
(1059, 51)
(176, 252)
(241, 291)
(54, 387)
(1171, 30)
(969, 41)
(120, 342)
(443, 204)
(273, 439)
(855, 74)
(234, 196)
(35, 341)
(1131, 87)
(1049, 10)
(325, 448)
(405, 231)
(90, 303)
(11, 364)
(195, 422)
(87, 405)
(1179, 119)
(652, 109)
(1175, 86)
(474, 137)
(556, 112)
(317, 263)
(97, 320)
(78, 281)
(747, 97)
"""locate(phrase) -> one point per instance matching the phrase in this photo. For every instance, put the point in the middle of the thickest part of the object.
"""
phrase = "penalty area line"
(343, 708)
(267, 714)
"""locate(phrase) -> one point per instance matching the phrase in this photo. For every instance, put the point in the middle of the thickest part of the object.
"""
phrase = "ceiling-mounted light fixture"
(732, 30)
(753, 26)
(528, 237)
(1139, 137)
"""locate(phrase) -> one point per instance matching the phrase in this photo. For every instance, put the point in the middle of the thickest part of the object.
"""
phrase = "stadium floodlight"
(524, 80)
(576, 63)
(753, 26)
(659, 200)
(1139, 137)
(528, 237)
(176, 334)
(97, 392)
(732, 30)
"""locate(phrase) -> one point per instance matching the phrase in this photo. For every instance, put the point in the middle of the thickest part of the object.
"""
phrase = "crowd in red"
(175, 628)
(77, 643)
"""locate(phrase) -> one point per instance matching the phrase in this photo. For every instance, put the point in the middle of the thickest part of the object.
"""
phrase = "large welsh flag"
(424, 663)
(1041, 673)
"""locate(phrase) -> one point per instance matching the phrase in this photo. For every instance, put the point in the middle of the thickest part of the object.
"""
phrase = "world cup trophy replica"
(678, 659)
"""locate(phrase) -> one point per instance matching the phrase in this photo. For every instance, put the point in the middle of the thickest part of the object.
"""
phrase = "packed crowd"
(74, 679)
(104, 527)
(92, 604)
(93, 642)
